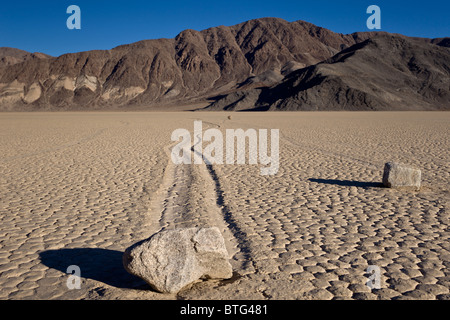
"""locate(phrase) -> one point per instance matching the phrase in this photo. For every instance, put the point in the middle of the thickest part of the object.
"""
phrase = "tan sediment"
(78, 188)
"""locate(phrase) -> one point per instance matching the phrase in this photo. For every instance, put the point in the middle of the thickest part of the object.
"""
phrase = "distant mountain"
(386, 72)
(10, 56)
(219, 62)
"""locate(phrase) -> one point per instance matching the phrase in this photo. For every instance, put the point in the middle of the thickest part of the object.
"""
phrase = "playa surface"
(79, 188)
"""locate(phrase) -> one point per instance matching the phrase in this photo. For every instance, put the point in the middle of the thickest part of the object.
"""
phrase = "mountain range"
(261, 64)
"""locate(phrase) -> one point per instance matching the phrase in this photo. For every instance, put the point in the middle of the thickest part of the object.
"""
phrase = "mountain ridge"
(191, 67)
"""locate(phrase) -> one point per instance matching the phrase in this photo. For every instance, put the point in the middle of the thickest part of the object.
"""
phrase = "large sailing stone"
(171, 259)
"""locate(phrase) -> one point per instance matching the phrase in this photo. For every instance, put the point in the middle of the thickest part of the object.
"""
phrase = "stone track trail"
(190, 196)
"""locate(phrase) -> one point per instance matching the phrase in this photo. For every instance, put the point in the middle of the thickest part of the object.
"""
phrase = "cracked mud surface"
(79, 188)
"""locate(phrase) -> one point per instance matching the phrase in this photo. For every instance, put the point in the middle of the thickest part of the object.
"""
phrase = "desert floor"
(79, 188)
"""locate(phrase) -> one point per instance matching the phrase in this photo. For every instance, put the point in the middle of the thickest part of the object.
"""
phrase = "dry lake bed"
(79, 188)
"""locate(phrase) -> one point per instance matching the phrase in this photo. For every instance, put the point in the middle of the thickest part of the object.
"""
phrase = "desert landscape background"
(79, 188)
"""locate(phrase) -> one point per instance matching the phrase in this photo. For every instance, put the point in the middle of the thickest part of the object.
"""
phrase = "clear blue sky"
(41, 25)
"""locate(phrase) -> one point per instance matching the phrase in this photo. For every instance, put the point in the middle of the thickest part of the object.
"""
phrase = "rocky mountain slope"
(10, 56)
(386, 72)
(192, 67)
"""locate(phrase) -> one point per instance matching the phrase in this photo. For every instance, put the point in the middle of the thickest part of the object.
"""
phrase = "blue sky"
(41, 25)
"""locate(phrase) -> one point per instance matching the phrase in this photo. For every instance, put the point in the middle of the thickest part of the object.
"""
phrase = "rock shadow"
(349, 183)
(102, 265)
